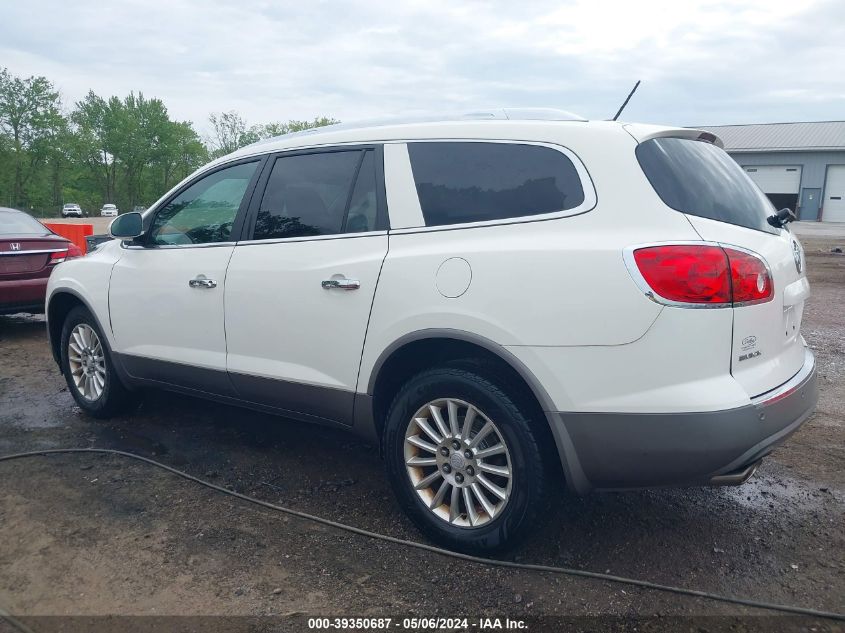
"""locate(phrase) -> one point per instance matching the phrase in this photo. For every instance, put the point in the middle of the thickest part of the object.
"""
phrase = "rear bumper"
(23, 295)
(625, 450)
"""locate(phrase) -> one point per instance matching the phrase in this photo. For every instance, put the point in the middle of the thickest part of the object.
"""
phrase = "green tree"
(180, 152)
(228, 130)
(96, 141)
(141, 126)
(120, 149)
(268, 130)
(30, 117)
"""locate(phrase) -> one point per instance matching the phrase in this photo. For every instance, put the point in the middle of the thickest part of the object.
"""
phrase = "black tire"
(115, 397)
(511, 416)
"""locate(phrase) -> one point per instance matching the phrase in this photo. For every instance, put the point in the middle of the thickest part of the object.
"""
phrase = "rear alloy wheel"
(458, 462)
(463, 459)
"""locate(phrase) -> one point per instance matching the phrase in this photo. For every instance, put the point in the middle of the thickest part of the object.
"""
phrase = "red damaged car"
(28, 253)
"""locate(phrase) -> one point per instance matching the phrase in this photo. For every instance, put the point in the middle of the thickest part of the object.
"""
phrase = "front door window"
(204, 212)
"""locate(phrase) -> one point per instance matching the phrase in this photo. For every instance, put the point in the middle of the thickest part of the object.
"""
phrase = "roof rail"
(492, 114)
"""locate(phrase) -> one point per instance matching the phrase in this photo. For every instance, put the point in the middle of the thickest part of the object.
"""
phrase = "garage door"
(833, 209)
(775, 178)
(779, 182)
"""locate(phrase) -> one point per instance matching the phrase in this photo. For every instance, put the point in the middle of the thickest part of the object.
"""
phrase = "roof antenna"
(627, 99)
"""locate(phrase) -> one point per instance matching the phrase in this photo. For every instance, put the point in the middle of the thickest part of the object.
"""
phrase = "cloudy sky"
(701, 62)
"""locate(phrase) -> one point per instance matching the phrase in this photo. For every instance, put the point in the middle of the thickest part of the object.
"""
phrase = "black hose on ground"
(645, 584)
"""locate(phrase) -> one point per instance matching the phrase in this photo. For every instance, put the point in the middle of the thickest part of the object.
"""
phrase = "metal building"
(798, 165)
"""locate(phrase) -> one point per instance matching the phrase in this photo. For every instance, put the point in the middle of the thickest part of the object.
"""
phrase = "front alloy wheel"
(88, 368)
(458, 462)
(87, 362)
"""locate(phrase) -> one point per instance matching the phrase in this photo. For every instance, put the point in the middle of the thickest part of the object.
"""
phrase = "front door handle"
(341, 284)
(201, 281)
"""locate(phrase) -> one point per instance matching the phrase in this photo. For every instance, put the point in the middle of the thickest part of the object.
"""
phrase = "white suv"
(499, 304)
(71, 210)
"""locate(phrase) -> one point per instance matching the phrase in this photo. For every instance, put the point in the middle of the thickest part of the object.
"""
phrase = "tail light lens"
(702, 274)
(58, 257)
(72, 251)
(750, 278)
(686, 274)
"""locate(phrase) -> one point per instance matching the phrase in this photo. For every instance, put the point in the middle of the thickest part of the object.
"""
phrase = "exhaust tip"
(737, 477)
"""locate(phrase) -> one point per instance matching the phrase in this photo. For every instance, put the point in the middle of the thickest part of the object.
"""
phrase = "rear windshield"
(700, 179)
(12, 223)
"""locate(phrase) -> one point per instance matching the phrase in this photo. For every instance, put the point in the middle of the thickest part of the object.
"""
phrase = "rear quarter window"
(459, 182)
(698, 178)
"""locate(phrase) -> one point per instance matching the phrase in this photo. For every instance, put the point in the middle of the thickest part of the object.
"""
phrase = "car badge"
(15, 246)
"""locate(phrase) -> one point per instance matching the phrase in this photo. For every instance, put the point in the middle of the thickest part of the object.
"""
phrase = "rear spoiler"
(642, 132)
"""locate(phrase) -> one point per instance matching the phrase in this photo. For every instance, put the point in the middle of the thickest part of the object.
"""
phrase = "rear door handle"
(341, 284)
(201, 281)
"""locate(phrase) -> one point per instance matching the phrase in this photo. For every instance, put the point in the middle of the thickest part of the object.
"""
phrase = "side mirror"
(127, 226)
(782, 218)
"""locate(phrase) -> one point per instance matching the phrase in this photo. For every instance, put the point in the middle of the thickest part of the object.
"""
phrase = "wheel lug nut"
(444, 451)
(470, 471)
(456, 445)
(468, 454)
(447, 468)
(459, 478)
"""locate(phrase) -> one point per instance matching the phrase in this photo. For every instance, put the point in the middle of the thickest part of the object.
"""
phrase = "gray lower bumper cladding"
(629, 450)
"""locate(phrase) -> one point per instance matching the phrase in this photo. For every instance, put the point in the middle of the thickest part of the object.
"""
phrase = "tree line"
(124, 150)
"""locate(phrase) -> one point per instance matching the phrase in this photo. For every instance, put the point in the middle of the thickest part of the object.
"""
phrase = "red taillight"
(704, 274)
(74, 251)
(687, 274)
(750, 277)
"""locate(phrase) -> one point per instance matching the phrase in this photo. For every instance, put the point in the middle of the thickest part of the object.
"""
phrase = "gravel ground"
(92, 535)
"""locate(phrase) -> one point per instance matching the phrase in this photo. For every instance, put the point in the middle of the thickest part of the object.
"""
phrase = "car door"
(300, 289)
(166, 291)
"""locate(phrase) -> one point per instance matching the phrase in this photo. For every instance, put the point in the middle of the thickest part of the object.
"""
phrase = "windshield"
(700, 179)
(17, 223)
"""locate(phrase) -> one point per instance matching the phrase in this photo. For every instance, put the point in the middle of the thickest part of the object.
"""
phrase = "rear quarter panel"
(549, 283)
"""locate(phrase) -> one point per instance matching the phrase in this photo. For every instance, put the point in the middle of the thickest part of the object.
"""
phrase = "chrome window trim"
(642, 284)
(125, 244)
(281, 240)
(313, 238)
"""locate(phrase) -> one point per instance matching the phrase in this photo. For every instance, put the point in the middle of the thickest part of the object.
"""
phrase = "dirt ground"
(93, 535)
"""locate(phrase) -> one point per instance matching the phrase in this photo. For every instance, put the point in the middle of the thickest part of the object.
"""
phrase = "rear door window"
(698, 178)
(460, 182)
(324, 193)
